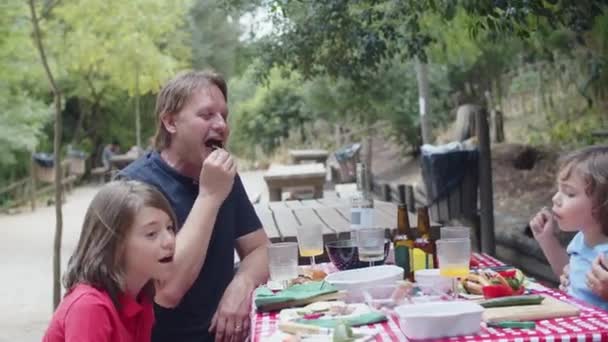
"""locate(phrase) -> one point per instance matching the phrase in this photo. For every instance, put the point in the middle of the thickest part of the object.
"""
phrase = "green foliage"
(266, 117)
(132, 42)
(215, 37)
(23, 113)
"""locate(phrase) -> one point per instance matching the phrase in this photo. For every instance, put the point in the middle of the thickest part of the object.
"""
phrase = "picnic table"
(317, 156)
(280, 177)
(280, 219)
(590, 325)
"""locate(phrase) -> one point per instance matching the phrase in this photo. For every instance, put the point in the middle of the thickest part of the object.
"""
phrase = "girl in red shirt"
(127, 242)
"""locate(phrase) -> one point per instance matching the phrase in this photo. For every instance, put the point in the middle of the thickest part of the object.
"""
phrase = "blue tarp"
(347, 152)
(43, 159)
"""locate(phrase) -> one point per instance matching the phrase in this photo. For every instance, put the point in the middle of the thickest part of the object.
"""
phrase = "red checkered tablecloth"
(590, 325)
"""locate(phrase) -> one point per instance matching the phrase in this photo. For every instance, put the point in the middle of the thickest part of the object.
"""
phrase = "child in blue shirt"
(580, 204)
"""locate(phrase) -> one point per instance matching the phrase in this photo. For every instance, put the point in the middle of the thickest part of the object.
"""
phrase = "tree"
(135, 54)
(37, 36)
(348, 39)
(215, 36)
(23, 114)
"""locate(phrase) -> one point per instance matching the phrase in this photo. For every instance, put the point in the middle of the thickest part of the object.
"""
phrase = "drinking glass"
(283, 262)
(310, 241)
(453, 256)
(370, 244)
(455, 232)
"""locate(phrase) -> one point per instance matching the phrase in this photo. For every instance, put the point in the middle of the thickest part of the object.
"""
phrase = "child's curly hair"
(591, 163)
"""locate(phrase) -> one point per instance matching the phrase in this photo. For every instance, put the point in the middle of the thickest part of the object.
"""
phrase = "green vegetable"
(512, 301)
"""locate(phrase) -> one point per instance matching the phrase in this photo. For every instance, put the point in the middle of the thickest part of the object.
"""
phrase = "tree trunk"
(137, 117)
(423, 93)
(57, 158)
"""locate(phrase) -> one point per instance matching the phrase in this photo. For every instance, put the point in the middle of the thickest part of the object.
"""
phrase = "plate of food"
(489, 283)
(305, 275)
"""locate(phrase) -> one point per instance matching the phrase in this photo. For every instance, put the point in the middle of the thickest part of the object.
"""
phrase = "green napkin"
(363, 319)
(264, 296)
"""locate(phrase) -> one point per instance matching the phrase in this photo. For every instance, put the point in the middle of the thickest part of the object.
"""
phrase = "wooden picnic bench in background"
(281, 177)
(315, 156)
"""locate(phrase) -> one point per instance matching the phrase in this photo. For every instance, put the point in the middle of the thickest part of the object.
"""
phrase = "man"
(108, 152)
(204, 300)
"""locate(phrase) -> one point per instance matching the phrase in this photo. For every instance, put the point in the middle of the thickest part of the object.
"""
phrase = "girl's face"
(149, 247)
(571, 205)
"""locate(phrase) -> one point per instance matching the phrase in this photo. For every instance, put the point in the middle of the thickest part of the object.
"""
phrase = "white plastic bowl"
(353, 281)
(439, 319)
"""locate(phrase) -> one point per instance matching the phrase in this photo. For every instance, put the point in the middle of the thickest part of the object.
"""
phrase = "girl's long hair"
(98, 257)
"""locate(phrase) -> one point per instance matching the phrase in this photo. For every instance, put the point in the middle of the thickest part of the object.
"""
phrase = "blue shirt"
(581, 259)
(190, 320)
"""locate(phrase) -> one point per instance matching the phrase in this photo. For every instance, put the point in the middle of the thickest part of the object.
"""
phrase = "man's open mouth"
(166, 259)
(214, 144)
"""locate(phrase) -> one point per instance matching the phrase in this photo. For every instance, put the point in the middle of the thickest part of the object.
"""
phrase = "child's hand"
(597, 278)
(541, 224)
(217, 175)
(564, 279)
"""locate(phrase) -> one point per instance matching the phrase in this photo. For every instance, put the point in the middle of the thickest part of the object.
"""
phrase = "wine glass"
(370, 244)
(453, 256)
(310, 241)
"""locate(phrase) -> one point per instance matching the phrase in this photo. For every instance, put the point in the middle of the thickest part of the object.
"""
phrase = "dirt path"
(26, 254)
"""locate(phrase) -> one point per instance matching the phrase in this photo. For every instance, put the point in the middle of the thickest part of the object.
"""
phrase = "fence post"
(486, 204)
(410, 200)
(32, 192)
(386, 192)
(401, 192)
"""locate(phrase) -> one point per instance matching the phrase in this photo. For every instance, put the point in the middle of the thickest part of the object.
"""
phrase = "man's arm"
(253, 251)
(191, 246)
(231, 320)
(215, 182)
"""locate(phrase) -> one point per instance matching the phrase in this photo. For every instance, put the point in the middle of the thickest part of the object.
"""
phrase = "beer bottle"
(424, 241)
(403, 241)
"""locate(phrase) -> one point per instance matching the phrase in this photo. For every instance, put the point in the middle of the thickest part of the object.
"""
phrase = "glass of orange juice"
(453, 256)
(310, 240)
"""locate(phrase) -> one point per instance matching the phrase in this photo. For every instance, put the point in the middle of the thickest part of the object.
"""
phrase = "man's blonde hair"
(176, 93)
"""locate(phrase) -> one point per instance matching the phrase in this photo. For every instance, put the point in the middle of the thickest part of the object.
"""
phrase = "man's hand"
(542, 224)
(231, 320)
(597, 278)
(217, 175)
(564, 279)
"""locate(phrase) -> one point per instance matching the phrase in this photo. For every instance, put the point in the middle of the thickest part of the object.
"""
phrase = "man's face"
(201, 125)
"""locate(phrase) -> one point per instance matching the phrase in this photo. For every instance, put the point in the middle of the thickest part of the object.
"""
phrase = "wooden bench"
(281, 177)
(315, 156)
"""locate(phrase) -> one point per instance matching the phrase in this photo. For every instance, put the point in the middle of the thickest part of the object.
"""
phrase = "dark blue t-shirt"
(190, 320)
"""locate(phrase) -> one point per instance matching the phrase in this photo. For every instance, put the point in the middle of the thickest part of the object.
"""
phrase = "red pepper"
(313, 315)
(496, 290)
(508, 273)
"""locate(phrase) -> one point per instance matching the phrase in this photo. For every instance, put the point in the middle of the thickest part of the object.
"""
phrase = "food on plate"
(494, 284)
(330, 309)
(308, 275)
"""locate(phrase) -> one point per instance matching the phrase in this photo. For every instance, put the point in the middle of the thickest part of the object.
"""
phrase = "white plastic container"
(353, 281)
(439, 319)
